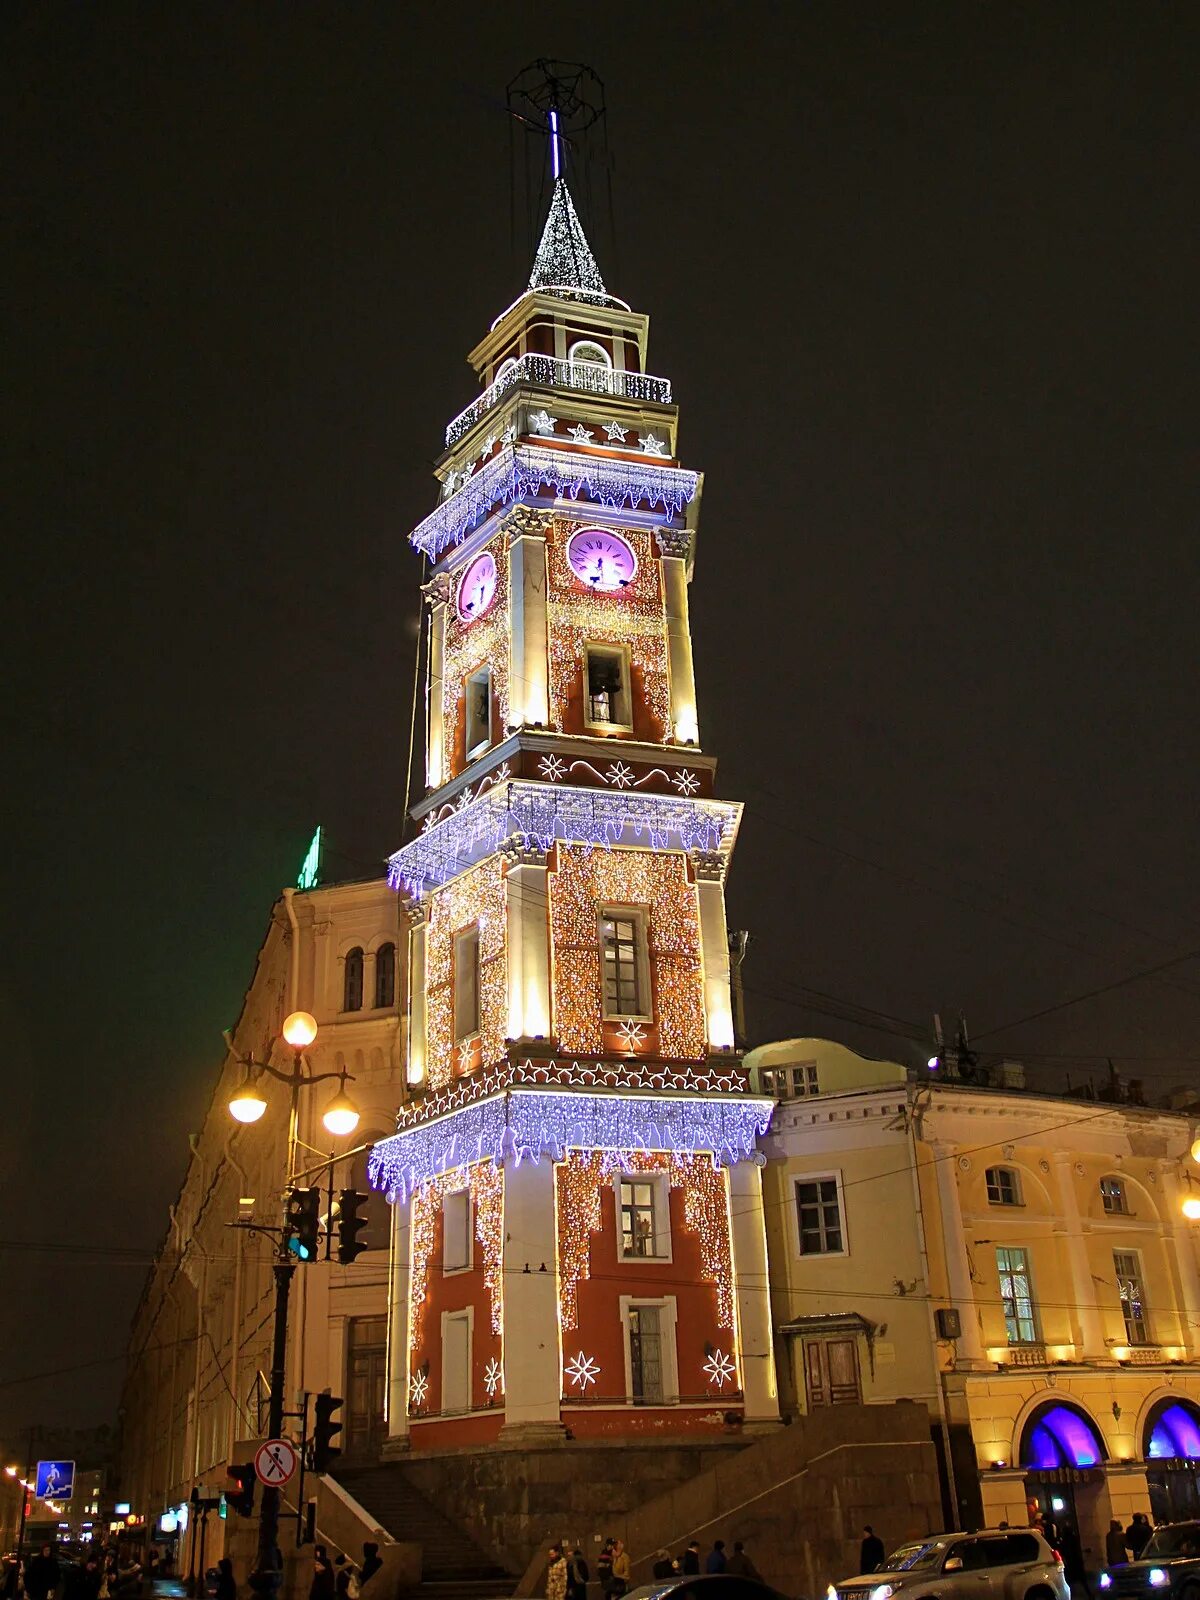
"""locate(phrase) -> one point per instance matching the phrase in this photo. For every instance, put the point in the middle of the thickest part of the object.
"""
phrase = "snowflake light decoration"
(419, 1389)
(493, 1378)
(615, 432)
(510, 434)
(489, 444)
(686, 782)
(619, 775)
(580, 434)
(632, 1035)
(582, 1370)
(552, 767)
(653, 446)
(720, 1369)
(542, 421)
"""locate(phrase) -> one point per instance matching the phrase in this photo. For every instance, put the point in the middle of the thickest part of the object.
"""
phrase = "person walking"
(1071, 1550)
(715, 1562)
(371, 1562)
(42, 1574)
(578, 1574)
(226, 1582)
(1137, 1535)
(622, 1572)
(740, 1565)
(604, 1568)
(662, 1566)
(691, 1560)
(556, 1574)
(871, 1554)
(323, 1586)
(1115, 1552)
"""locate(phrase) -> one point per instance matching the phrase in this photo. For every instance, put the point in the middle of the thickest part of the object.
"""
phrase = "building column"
(528, 677)
(416, 1074)
(399, 1272)
(969, 1350)
(437, 597)
(528, 948)
(709, 868)
(674, 545)
(1182, 1247)
(1083, 1289)
(752, 1292)
(532, 1359)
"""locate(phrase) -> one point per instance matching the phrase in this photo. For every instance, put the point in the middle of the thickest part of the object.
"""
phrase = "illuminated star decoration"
(509, 434)
(632, 1035)
(719, 1369)
(468, 469)
(493, 1378)
(653, 446)
(619, 775)
(542, 421)
(686, 782)
(451, 482)
(489, 444)
(420, 1388)
(580, 434)
(552, 767)
(615, 432)
(582, 1370)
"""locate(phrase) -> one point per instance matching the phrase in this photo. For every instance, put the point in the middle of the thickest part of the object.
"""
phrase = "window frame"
(462, 1314)
(660, 1200)
(574, 359)
(835, 1177)
(667, 1309)
(620, 651)
(468, 1264)
(461, 936)
(1136, 1276)
(1120, 1193)
(638, 916)
(998, 1197)
(472, 751)
(387, 945)
(1026, 1271)
(358, 956)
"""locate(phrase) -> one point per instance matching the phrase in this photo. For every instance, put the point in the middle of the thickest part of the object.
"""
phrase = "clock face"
(478, 588)
(601, 559)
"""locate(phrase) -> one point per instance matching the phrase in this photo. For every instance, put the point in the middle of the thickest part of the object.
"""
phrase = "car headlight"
(1158, 1579)
(881, 1591)
(831, 1593)
(1106, 1580)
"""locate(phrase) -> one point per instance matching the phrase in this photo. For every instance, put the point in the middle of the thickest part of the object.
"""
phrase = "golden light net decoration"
(423, 1216)
(580, 1182)
(589, 879)
(633, 617)
(483, 642)
(487, 1199)
(477, 896)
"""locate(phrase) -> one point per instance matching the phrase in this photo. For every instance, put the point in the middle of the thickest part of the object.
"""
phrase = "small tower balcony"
(551, 372)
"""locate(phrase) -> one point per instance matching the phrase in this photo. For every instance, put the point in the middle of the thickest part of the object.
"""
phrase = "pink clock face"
(601, 559)
(478, 588)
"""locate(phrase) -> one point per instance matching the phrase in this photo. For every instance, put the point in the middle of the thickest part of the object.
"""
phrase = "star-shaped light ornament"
(418, 1390)
(686, 782)
(582, 1370)
(468, 469)
(450, 483)
(616, 433)
(489, 444)
(720, 1369)
(493, 1378)
(619, 775)
(552, 767)
(580, 434)
(542, 421)
(653, 446)
(632, 1035)
(509, 435)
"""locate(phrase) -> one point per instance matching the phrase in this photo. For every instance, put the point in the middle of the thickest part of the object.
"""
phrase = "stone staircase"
(453, 1566)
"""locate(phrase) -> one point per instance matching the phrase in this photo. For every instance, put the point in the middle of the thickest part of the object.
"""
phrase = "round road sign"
(275, 1462)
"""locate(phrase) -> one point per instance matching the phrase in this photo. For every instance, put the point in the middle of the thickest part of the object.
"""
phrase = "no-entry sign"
(275, 1461)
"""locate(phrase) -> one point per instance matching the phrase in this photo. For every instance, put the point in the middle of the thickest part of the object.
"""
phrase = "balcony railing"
(555, 374)
(1027, 1355)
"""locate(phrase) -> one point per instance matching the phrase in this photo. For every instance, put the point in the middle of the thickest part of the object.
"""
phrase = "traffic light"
(349, 1225)
(242, 1499)
(324, 1451)
(303, 1222)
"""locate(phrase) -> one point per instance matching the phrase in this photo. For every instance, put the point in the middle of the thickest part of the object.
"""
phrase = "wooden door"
(831, 1372)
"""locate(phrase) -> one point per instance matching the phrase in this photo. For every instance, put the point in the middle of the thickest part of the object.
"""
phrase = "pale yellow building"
(1017, 1261)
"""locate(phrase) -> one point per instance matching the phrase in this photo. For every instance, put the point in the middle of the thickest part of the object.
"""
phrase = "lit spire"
(564, 258)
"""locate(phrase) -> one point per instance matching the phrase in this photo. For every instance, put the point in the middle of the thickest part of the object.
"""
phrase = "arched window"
(352, 983)
(590, 354)
(1060, 1435)
(1173, 1432)
(385, 976)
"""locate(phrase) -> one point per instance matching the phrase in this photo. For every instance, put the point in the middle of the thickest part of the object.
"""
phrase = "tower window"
(607, 671)
(587, 353)
(456, 1231)
(466, 982)
(479, 711)
(385, 976)
(644, 1229)
(646, 1355)
(352, 980)
(623, 953)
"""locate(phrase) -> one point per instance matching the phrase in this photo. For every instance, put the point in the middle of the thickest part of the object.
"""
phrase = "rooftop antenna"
(556, 102)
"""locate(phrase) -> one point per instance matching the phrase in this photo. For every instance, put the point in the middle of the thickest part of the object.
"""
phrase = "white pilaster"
(685, 724)
(528, 949)
(528, 690)
(714, 949)
(958, 1263)
(399, 1272)
(1083, 1289)
(417, 1069)
(532, 1370)
(437, 594)
(1182, 1236)
(752, 1294)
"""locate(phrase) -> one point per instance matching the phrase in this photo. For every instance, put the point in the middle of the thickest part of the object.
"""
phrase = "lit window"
(1016, 1294)
(623, 948)
(1112, 1193)
(466, 982)
(456, 1231)
(819, 1215)
(1132, 1290)
(607, 672)
(644, 1233)
(385, 976)
(479, 711)
(1003, 1186)
(352, 983)
(646, 1354)
(590, 353)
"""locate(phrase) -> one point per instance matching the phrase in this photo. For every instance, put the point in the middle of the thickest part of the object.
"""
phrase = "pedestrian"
(740, 1564)
(604, 1563)
(622, 1572)
(226, 1582)
(1137, 1535)
(578, 1575)
(323, 1586)
(345, 1578)
(556, 1575)
(371, 1563)
(41, 1574)
(8, 1590)
(871, 1554)
(662, 1566)
(1115, 1552)
(715, 1562)
(1071, 1550)
(691, 1560)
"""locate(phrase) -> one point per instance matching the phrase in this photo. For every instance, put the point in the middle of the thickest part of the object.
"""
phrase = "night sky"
(924, 281)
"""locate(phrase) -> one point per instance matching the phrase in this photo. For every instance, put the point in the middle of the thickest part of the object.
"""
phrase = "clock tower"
(578, 1242)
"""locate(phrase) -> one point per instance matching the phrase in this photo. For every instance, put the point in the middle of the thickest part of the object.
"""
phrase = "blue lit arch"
(1172, 1432)
(1060, 1435)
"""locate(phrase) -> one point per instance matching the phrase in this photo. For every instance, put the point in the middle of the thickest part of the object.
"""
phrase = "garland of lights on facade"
(475, 644)
(426, 1207)
(587, 880)
(485, 1184)
(487, 1201)
(478, 896)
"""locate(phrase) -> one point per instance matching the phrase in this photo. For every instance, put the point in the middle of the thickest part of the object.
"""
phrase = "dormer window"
(588, 353)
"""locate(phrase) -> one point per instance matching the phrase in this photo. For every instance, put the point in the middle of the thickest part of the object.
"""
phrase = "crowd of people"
(568, 1574)
(99, 1572)
(338, 1578)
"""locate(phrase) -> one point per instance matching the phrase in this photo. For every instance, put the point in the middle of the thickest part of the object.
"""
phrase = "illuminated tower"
(578, 1238)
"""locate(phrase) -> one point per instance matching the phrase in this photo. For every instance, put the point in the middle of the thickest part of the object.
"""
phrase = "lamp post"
(247, 1105)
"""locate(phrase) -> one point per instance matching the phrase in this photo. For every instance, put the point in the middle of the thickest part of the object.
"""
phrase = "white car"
(1005, 1564)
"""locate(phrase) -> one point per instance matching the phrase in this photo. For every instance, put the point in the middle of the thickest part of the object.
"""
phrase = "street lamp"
(248, 1102)
(1191, 1208)
(341, 1114)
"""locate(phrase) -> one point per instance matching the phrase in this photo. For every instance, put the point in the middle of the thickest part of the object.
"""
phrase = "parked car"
(1008, 1564)
(707, 1586)
(1167, 1569)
